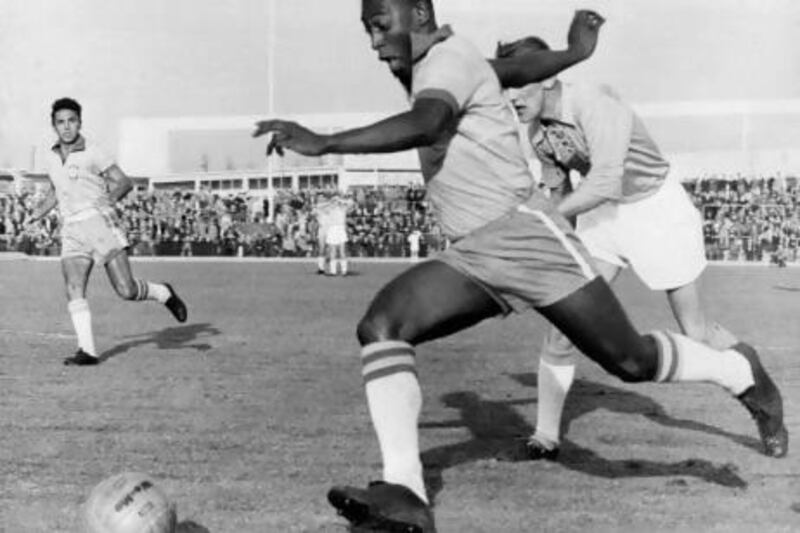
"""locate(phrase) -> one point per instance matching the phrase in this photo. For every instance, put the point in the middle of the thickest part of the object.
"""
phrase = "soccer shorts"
(336, 236)
(96, 235)
(526, 259)
(660, 237)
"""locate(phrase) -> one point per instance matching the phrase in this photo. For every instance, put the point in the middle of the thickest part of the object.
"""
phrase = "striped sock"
(395, 401)
(683, 359)
(147, 290)
(82, 322)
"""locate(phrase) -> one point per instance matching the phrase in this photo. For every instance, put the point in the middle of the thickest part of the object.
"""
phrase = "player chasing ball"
(85, 184)
(629, 211)
(512, 251)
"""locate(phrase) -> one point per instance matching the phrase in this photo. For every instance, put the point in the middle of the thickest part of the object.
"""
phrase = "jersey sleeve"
(101, 161)
(446, 75)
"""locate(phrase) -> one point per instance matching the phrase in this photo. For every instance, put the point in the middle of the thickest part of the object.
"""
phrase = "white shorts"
(336, 236)
(97, 235)
(660, 237)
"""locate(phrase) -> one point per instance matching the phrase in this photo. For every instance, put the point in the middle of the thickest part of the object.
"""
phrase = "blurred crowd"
(749, 219)
(380, 221)
(744, 220)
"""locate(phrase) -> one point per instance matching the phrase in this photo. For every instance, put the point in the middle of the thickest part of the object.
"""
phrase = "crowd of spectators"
(187, 223)
(744, 220)
(749, 219)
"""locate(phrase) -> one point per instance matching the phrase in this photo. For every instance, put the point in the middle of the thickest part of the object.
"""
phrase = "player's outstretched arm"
(121, 184)
(538, 66)
(423, 125)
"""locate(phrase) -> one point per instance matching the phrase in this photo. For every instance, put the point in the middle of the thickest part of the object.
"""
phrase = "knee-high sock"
(684, 359)
(82, 322)
(147, 290)
(395, 400)
(553, 382)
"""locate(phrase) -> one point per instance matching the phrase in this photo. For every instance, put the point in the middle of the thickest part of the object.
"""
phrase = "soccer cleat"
(384, 507)
(81, 358)
(176, 305)
(765, 404)
(536, 450)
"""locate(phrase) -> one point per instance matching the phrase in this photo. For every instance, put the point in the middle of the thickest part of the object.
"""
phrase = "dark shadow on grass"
(189, 526)
(179, 337)
(587, 396)
(498, 432)
(787, 288)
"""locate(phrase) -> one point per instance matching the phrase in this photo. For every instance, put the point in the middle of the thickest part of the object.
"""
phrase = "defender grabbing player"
(629, 212)
(85, 184)
(511, 250)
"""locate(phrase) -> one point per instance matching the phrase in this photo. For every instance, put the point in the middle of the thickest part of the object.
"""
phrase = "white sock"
(321, 264)
(554, 382)
(82, 322)
(684, 359)
(343, 265)
(395, 401)
(147, 290)
(332, 267)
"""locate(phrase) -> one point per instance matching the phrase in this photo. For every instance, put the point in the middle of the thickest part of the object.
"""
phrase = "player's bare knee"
(376, 327)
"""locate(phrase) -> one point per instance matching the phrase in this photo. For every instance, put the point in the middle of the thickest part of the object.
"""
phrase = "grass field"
(252, 409)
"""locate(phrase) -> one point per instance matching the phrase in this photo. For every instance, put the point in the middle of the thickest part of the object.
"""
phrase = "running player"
(85, 184)
(629, 212)
(511, 250)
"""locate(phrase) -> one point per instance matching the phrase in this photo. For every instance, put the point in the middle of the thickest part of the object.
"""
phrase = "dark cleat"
(81, 358)
(765, 404)
(536, 450)
(176, 305)
(384, 507)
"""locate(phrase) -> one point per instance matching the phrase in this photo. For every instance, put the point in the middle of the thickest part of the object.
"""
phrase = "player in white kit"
(630, 212)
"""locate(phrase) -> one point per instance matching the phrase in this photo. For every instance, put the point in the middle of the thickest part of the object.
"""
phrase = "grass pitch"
(247, 413)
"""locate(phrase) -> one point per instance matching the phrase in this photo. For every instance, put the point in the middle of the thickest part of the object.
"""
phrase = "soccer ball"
(129, 503)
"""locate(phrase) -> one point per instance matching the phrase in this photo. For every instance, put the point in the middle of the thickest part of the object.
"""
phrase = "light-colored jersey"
(478, 173)
(80, 187)
(598, 135)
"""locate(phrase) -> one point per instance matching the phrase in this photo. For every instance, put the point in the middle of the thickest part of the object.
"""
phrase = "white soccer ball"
(129, 503)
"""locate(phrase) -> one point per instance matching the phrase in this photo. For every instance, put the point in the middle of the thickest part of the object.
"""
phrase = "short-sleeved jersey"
(78, 180)
(598, 135)
(478, 172)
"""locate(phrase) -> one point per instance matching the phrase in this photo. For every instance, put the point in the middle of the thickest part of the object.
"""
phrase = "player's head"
(528, 100)
(391, 25)
(65, 115)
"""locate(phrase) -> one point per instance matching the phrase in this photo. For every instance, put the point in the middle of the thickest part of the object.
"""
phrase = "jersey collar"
(78, 146)
(421, 43)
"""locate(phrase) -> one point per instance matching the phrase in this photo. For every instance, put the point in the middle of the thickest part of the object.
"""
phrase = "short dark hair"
(521, 46)
(65, 103)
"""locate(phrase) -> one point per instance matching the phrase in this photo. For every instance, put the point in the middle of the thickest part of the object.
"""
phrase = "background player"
(85, 184)
(511, 250)
(629, 212)
(321, 210)
(336, 235)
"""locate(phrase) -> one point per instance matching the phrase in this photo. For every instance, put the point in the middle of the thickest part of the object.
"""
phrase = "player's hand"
(584, 32)
(290, 135)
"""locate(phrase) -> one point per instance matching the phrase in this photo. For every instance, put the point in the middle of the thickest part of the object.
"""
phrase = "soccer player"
(321, 210)
(336, 235)
(511, 251)
(629, 211)
(85, 184)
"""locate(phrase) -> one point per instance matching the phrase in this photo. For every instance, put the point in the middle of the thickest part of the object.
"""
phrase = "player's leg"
(119, 272)
(555, 376)
(76, 271)
(343, 266)
(428, 301)
(688, 310)
(332, 255)
(595, 322)
(322, 254)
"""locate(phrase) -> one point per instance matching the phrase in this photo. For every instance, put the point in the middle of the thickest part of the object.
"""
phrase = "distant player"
(321, 213)
(630, 212)
(85, 184)
(414, 238)
(336, 235)
(511, 251)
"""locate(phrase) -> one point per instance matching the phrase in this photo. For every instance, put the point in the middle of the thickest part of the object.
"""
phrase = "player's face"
(389, 25)
(67, 124)
(528, 101)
